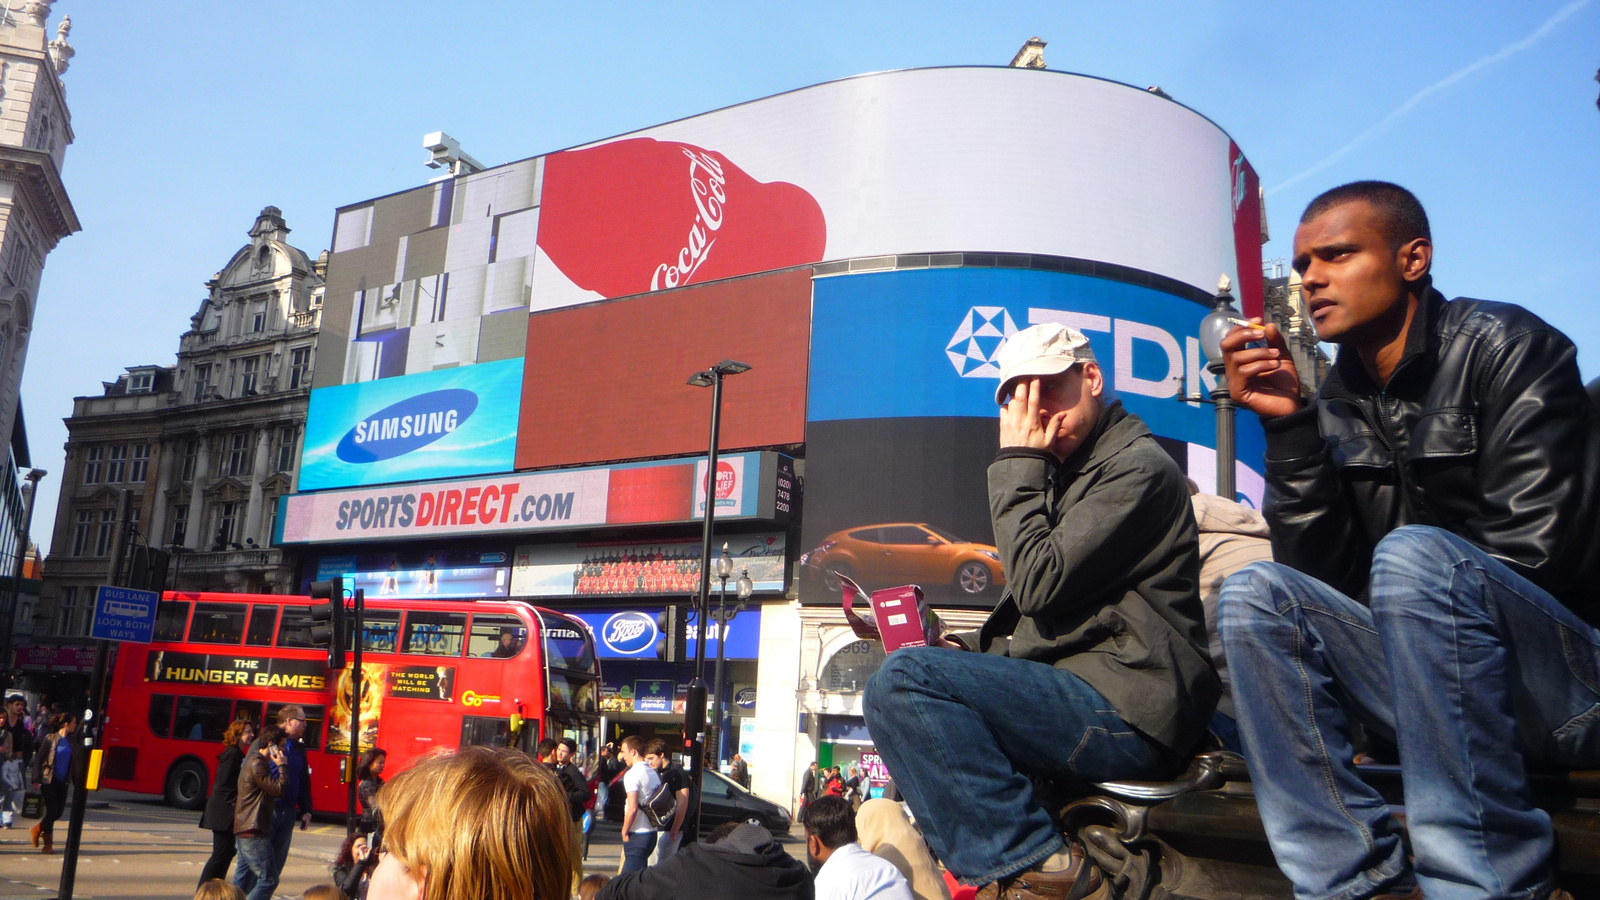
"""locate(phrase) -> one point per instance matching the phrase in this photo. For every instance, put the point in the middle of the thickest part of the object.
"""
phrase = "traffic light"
(674, 641)
(328, 627)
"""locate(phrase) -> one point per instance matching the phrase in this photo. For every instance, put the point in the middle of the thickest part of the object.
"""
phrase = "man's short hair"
(832, 820)
(272, 734)
(16, 698)
(1403, 216)
(570, 744)
(545, 747)
(634, 742)
(292, 711)
(656, 747)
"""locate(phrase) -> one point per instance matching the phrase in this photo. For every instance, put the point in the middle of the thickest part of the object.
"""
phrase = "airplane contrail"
(1410, 104)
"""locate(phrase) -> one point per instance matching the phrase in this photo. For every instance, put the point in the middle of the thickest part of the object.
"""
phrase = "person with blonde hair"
(481, 823)
(217, 889)
(884, 830)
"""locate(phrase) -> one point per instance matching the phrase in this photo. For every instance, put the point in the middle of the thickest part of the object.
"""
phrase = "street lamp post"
(1223, 318)
(694, 719)
(743, 587)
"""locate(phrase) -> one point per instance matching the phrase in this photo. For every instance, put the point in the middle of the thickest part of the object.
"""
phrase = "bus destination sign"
(243, 671)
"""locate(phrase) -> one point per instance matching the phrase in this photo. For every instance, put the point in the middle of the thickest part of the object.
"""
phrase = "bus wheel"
(186, 785)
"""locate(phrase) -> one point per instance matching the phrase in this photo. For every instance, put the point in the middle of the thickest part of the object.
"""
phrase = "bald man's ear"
(1415, 259)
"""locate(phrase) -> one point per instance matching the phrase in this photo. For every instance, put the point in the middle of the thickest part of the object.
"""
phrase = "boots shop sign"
(532, 501)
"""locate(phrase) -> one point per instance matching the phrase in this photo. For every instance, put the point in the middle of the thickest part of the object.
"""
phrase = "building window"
(191, 453)
(286, 444)
(139, 468)
(82, 528)
(272, 520)
(227, 522)
(238, 462)
(202, 381)
(258, 317)
(249, 375)
(141, 383)
(117, 464)
(180, 524)
(299, 368)
(104, 534)
(93, 458)
(67, 612)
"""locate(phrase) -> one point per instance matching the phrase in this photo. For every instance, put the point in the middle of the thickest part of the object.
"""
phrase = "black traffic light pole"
(359, 631)
(90, 726)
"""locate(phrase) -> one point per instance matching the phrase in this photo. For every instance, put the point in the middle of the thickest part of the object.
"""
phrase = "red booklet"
(900, 616)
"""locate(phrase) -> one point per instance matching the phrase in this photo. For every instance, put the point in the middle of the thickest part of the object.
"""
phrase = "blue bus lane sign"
(124, 614)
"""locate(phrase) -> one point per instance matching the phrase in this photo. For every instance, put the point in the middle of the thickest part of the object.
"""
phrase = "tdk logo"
(976, 343)
(408, 425)
(629, 632)
(1168, 364)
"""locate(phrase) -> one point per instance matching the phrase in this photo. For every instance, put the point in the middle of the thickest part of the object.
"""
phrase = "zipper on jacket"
(1375, 422)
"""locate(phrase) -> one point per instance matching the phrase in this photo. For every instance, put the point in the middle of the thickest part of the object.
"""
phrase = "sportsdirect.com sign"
(569, 498)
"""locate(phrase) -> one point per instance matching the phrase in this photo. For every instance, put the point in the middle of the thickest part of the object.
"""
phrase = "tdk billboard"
(439, 424)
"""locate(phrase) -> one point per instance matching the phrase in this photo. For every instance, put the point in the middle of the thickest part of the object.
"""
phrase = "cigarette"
(1241, 323)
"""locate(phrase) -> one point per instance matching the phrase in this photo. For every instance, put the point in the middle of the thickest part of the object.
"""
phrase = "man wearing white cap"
(1093, 666)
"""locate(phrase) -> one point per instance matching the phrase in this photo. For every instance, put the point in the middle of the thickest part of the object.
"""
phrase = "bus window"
(568, 692)
(161, 714)
(263, 624)
(294, 628)
(312, 737)
(568, 644)
(249, 710)
(171, 617)
(496, 636)
(382, 631)
(217, 623)
(484, 731)
(201, 718)
(435, 633)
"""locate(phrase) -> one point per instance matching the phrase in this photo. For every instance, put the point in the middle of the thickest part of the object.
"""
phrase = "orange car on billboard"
(905, 553)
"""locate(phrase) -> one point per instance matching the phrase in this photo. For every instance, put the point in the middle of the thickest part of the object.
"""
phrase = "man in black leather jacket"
(1434, 512)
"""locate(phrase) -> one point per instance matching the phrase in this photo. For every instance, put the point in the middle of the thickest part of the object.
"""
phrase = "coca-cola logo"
(643, 215)
(707, 188)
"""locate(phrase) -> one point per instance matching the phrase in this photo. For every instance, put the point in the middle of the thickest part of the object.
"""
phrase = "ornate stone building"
(206, 445)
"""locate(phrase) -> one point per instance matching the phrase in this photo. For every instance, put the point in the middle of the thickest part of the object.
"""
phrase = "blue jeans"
(636, 849)
(253, 873)
(960, 731)
(1473, 670)
(283, 823)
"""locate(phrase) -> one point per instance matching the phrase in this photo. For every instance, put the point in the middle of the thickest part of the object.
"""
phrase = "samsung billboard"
(438, 424)
(974, 159)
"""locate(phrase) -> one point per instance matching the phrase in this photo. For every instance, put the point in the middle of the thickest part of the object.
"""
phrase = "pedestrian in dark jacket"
(1433, 511)
(263, 777)
(52, 772)
(370, 780)
(1092, 667)
(352, 867)
(737, 861)
(218, 817)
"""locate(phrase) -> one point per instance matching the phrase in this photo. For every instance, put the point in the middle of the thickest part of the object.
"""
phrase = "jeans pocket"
(1577, 741)
(1580, 655)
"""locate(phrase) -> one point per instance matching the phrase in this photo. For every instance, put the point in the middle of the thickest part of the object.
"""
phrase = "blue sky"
(190, 119)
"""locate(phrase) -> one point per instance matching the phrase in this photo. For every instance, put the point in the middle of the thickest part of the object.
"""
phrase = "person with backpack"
(641, 783)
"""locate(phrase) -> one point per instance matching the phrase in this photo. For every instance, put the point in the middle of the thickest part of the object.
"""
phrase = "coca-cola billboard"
(642, 215)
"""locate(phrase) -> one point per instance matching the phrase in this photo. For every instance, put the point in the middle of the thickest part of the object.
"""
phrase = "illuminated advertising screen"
(903, 423)
(606, 381)
(413, 427)
(631, 632)
(922, 161)
(433, 582)
(653, 569)
(748, 486)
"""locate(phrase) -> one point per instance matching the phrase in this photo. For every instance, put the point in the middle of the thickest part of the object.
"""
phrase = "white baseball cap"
(1039, 350)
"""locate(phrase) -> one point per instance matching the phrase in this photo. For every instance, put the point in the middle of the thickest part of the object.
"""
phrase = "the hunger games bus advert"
(373, 676)
(246, 671)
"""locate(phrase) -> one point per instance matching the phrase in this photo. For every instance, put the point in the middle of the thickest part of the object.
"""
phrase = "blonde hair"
(217, 889)
(591, 885)
(323, 892)
(480, 824)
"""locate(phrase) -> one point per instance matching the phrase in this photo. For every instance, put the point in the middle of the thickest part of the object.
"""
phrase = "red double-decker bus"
(439, 673)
